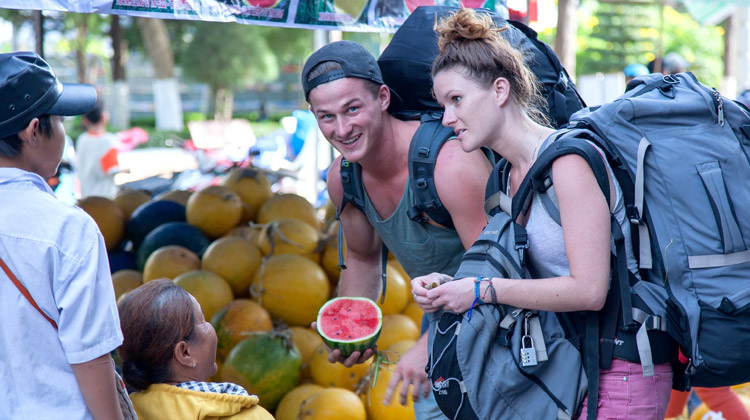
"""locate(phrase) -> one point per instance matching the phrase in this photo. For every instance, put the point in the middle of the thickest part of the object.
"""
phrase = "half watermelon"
(350, 324)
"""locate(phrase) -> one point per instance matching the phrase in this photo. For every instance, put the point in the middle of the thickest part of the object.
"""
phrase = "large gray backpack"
(497, 361)
(680, 152)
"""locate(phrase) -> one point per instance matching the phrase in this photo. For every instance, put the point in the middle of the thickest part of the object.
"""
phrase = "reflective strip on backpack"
(644, 351)
(720, 260)
(535, 330)
(563, 415)
(643, 235)
(498, 200)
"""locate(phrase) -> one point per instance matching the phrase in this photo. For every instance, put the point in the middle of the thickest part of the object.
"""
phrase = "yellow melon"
(169, 262)
(215, 210)
(251, 186)
(288, 206)
(178, 196)
(208, 288)
(291, 287)
(108, 216)
(414, 312)
(288, 408)
(236, 260)
(396, 327)
(247, 214)
(235, 320)
(329, 214)
(128, 200)
(400, 268)
(329, 374)
(250, 232)
(373, 399)
(125, 280)
(397, 292)
(290, 236)
(333, 404)
(306, 340)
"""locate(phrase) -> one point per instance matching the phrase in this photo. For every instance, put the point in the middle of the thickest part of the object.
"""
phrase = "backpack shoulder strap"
(351, 180)
(354, 192)
(423, 151)
(495, 197)
(539, 179)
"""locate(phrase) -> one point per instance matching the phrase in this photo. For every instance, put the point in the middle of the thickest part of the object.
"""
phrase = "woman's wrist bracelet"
(490, 287)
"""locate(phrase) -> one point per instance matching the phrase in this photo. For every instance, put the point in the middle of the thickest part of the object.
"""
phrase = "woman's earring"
(194, 365)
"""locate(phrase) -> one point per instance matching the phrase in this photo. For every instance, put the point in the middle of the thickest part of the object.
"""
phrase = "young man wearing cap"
(345, 89)
(57, 302)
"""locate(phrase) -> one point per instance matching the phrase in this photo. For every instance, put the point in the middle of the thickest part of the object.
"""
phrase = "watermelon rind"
(348, 347)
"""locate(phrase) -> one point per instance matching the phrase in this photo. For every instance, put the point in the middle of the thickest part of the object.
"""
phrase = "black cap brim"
(75, 99)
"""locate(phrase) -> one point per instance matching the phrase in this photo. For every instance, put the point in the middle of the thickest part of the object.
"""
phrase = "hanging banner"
(345, 15)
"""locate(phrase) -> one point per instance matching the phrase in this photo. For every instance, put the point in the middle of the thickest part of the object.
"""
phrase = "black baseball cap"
(355, 61)
(30, 89)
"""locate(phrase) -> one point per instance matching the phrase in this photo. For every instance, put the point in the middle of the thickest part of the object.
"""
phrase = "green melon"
(150, 215)
(350, 324)
(172, 233)
(265, 364)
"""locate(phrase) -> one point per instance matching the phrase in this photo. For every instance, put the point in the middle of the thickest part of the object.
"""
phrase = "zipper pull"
(720, 106)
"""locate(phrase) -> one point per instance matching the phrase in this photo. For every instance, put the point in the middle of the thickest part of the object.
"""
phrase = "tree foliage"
(610, 46)
(227, 56)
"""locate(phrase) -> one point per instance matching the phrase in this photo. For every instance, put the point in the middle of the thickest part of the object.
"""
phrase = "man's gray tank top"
(421, 248)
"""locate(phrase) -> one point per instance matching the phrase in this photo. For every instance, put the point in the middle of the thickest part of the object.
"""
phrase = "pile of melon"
(262, 265)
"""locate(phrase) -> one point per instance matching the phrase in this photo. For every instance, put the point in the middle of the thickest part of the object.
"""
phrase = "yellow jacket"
(168, 402)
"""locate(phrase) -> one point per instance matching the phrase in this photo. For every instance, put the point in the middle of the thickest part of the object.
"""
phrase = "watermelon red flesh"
(350, 324)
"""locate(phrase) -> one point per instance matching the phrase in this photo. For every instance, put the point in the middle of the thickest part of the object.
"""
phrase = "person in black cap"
(345, 89)
(57, 301)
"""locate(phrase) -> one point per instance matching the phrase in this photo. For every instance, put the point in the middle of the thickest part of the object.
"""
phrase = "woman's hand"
(421, 285)
(456, 296)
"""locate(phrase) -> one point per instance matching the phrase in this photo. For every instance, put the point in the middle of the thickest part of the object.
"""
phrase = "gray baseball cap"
(30, 89)
(355, 61)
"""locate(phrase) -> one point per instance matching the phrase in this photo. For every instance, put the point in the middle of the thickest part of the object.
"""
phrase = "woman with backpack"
(491, 99)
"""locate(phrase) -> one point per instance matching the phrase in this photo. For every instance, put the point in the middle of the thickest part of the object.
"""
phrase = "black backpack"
(406, 67)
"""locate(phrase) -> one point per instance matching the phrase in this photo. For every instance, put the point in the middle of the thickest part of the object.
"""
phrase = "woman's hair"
(154, 318)
(470, 42)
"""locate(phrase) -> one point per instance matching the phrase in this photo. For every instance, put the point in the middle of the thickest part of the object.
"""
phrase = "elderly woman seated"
(168, 354)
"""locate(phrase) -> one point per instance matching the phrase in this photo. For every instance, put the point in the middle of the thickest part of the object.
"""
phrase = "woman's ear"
(182, 354)
(501, 87)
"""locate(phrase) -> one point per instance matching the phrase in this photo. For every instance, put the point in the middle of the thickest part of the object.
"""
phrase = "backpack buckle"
(669, 78)
(423, 152)
(421, 183)
(634, 215)
(522, 240)
(416, 215)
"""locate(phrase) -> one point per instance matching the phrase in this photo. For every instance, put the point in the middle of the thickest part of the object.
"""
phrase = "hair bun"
(466, 25)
